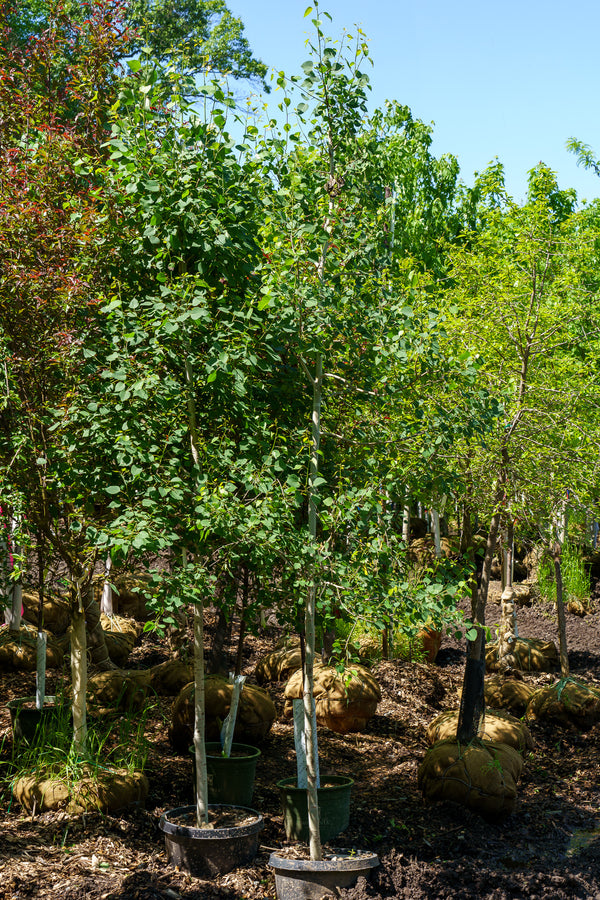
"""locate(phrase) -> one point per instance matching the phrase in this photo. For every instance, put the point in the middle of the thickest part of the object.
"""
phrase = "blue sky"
(511, 80)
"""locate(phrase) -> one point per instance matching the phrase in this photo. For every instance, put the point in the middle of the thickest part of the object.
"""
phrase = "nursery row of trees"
(242, 346)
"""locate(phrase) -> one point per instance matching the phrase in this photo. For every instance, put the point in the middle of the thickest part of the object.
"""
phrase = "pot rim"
(340, 781)
(211, 834)
(366, 860)
(253, 754)
(49, 701)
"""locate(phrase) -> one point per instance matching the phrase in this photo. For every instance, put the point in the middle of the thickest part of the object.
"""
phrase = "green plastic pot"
(230, 778)
(334, 807)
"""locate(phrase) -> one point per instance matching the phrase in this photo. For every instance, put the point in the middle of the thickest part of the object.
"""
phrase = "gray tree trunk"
(560, 611)
(79, 678)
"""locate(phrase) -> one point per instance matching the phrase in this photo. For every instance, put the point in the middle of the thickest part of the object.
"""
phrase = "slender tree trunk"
(560, 611)
(472, 705)
(508, 631)
(40, 670)
(510, 552)
(242, 633)
(316, 851)
(437, 538)
(79, 677)
(466, 532)
(503, 557)
(14, 591)
(385, 642)
(106, 603)
(406, 518)
(12, 614)
(199, 719)
(562, 522)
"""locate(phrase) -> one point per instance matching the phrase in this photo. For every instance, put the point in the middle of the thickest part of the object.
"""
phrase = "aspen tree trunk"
(406, 518)
(199, 719)
(199, 701)
(508, 633)
(12, 614)
(316, 851)
(562, 522)
(106, 603)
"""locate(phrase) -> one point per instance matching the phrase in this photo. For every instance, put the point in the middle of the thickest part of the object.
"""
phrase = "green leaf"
(113, 489)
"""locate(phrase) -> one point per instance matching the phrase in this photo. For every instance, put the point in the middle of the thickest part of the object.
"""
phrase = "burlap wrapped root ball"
(527, 655)
(171, 676)
(570, 703)
(512, 694)
(482, 776)
(255, 715)
(18, 651)
(122, 625)
(278, 665)
(108, 791)
(119, 645)
(344, 702)
(498, 726)
(57, 612)
(118, 690)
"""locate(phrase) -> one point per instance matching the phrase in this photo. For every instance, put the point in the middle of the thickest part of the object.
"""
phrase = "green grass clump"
(112, 743)
(575, 576)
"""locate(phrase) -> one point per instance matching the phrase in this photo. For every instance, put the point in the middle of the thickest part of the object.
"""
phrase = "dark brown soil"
(548, 849)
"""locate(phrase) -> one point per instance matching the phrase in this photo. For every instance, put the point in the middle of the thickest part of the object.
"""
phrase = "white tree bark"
(106, 603)
(40, 670)
(199, 719)
(406, 518)
(316, 850)
(12, 613)
(300, 744)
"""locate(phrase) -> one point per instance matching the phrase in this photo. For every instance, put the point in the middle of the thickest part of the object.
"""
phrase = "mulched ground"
(549, 848)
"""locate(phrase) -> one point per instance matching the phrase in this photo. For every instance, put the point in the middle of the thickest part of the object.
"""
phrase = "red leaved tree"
(55, 92)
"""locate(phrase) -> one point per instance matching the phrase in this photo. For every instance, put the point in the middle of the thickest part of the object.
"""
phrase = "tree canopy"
(195, 35)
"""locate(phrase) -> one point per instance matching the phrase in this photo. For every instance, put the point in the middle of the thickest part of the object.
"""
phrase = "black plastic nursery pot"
(26, 719)
(308, 879)
(230, 778)
(210, 851)
(334, 807)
